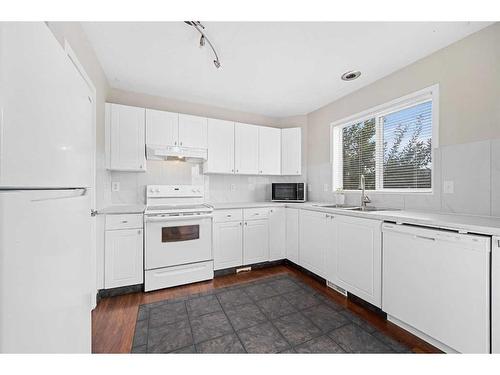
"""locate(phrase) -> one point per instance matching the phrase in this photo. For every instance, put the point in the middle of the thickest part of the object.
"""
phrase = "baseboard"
(113, 292)
(255, 266)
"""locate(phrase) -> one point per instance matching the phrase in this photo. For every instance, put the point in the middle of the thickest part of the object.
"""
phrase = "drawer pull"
(425, 238)
(124, 221)
(229, 215)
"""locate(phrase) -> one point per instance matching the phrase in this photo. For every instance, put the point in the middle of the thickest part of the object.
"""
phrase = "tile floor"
(279, 314)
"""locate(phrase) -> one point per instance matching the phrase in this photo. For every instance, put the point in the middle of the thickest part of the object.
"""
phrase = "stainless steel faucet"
(364, 198)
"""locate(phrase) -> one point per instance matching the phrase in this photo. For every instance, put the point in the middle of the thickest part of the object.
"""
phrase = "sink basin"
(356, 208)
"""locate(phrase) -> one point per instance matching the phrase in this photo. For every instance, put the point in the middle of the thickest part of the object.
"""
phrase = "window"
(390, 145)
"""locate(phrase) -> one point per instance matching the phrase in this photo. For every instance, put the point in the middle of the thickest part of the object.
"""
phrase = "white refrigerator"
(45, 176)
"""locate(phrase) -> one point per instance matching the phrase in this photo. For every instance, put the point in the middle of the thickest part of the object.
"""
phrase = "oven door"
(171, 241)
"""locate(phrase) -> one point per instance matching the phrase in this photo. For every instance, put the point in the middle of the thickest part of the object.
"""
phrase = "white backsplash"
(218, 188)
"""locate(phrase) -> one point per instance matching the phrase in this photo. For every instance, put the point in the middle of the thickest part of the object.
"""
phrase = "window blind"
(407, 148)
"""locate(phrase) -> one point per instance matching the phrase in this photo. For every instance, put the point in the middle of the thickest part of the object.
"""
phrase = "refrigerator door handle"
(75, 193)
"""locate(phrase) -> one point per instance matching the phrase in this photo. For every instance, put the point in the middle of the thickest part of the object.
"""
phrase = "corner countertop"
(487, 225)
(122, 209)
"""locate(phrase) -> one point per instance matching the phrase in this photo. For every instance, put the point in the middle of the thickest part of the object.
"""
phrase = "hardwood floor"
(113, 320)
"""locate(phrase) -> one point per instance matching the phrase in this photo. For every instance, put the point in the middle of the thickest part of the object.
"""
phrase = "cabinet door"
(277, 233)
(358, 250)
(123, 258)
(256, 241)
(162, 128)
(312, 238)
(246, 148)
(127, 140)
(495, 295)
(192, 131)
(269, 150)
(228, 244)
(291, 151)
(220, 147)
(292, 234)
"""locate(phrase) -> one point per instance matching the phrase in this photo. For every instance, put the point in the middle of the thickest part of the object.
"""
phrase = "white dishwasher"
(436, 284)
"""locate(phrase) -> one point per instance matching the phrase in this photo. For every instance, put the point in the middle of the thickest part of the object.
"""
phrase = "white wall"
(469, 127)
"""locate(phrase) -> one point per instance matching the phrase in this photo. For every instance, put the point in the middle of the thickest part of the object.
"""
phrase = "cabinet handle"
(124, 221)
(232, 170)
(246, 223)
(181, 143)
(229, 215)
(240, 224)
(237, 171)
(175, 143)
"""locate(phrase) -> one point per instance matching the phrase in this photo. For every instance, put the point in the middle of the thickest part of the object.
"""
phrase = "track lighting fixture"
(199, 26)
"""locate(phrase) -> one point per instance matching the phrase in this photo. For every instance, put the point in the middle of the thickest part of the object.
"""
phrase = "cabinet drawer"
(256, 213)
(126, 221)
(178, 275)
(222, 216)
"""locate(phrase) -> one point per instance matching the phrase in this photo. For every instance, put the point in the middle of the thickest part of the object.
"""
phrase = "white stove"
(178, 236)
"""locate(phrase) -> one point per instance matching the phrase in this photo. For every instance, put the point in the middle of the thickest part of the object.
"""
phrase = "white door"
(312, 253)
(126, 137)
(45, 271)
(291, 151)
(228, 244)
(269, 150)
(123, 258)
(358, 247)
(495, 295)
(220, 147)
(292, 234)
(256, 241)
(162, 128)
(192, 131)
(246, 149)
(277, 233)
(46, 140)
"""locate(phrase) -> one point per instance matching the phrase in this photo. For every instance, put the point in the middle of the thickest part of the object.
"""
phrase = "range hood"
(189, 154)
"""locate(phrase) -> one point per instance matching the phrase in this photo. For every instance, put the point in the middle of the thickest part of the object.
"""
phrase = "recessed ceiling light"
(350, 75)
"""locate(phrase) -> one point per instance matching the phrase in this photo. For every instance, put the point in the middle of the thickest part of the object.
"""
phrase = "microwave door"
(284, 192)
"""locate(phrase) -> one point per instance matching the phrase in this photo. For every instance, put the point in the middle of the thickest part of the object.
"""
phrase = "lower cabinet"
(256, 241)
(292, 234)
(228, 244)
(123, 252)
(354, 256)
(312, 241)
(277, 233)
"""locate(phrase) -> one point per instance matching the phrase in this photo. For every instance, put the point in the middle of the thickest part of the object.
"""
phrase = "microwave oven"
(288, 192)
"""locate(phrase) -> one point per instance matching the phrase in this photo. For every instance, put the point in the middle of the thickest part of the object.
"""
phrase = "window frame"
(430, 93)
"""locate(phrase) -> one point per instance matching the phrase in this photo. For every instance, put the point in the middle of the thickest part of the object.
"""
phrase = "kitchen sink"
(356, 208)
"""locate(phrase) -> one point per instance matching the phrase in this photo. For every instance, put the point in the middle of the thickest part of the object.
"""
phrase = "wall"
(218, 188)
(468, 73)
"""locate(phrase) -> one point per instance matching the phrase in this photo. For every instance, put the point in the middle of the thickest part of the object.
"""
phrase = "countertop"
(487, 225)
(122, 209)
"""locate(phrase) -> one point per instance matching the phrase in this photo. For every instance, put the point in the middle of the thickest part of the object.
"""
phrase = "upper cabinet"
(162, 128)
(125, 138)
(246, 143)
(192, 131)
(269, 150)
(291, 155)
(220, 147)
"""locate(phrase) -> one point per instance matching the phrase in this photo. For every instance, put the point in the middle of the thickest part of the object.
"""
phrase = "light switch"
(448, 187)
(115, 186)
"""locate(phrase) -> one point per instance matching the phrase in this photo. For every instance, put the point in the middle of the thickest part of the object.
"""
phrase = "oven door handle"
(152, 219)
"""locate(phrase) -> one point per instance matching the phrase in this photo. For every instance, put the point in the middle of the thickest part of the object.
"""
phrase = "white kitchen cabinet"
(123, 252)
(228, 244)
(495, 295)
(312, 241)
(162, 128)
(192, 131)
(125, 138)
(292, 234)
(357, 252)
(269, 150)
(256, 241)
(220, 147)
(277, 233)
(291, 151)
(437, 286)
(246, 145)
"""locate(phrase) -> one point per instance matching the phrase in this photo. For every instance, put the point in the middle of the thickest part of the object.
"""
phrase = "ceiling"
(277, 69)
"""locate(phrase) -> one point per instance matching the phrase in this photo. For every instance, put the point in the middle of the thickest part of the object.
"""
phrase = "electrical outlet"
(325, 187)
(448, 187)
(232, 187)
(115, 186)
